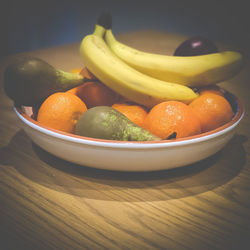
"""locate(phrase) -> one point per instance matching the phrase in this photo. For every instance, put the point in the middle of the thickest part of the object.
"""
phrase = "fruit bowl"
(128, 155)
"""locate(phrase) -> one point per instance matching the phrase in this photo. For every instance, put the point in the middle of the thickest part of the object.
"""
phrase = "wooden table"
(48, 203)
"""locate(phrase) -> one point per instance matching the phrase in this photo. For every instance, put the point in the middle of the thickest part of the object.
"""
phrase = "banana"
(194, 71)
(125, 80)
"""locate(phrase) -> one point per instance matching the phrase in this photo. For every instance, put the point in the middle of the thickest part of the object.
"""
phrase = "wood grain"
(48, 203)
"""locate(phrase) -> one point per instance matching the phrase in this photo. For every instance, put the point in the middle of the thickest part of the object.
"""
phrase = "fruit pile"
(127, 94)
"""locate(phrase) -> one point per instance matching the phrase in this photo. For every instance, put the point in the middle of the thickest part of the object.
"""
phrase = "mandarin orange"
(211, 89)
(61, 111)
(94, 93)
(170, 117)
(213, 110)
(85, 73)
(73, 90)
(76, 70)
(134, 113)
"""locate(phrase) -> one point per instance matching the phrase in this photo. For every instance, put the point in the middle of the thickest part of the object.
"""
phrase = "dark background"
(30, 25)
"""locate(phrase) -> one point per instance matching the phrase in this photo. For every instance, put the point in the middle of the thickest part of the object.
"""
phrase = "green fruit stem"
(70, 80)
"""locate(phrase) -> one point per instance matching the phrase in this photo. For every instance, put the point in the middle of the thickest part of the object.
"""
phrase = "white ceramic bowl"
(132, 156)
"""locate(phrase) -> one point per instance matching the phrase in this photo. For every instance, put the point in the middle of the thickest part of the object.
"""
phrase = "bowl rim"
(239, 114)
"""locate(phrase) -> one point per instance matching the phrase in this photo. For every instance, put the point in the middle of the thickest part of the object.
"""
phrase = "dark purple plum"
(195, 46)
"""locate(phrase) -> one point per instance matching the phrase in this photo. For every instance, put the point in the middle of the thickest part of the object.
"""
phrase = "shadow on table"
(41, 167)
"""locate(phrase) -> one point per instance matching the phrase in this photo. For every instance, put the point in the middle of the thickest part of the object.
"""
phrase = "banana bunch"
(125, 80)
(193, 71)
(149, 79)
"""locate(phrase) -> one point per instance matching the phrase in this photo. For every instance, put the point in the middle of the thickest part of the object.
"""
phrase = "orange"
(84, 72)
(211, 89)
(212, 109)
(61, 111)
(73, 90)
(134, 113)
(94, 93)
(76, 70)
(172, 116)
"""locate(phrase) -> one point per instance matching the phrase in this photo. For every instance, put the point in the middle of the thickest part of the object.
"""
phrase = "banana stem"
(99, 30)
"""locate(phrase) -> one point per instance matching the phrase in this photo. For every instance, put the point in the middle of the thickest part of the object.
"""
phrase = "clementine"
(134, 113)
(76, 70)
(213, 110)
(211, 89)
(85, 73)
(94, 93)
(61, 111)
(73, 90)
(170, 117)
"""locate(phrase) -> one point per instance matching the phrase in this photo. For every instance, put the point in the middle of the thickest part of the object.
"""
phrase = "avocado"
(29, 80)
(105, 122)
